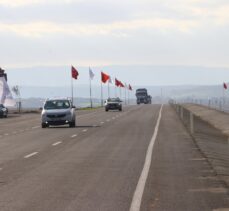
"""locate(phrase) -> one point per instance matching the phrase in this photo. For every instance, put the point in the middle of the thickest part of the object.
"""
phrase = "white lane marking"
(113, 118)
(30, 155)
(0, 169)
(15, 132)
(6, 134)
(57, 143)
(85, 130)
(21, 131)
(108, 120)
(137, 198)
(35, 127)
(73, 136)
(101, 123)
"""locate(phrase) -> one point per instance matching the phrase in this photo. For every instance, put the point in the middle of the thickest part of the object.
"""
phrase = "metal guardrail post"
(191, 123)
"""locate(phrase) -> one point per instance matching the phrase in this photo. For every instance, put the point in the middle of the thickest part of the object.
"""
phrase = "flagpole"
(72, 88)
(128, 96)
(115, 89)
(101, 94)
(90, 89)
(125, 94)
(108, 89)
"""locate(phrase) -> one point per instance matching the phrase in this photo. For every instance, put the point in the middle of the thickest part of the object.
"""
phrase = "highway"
(102, 164)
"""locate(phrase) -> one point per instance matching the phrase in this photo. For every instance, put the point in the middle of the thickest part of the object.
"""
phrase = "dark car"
(3, 111)
(113, 104)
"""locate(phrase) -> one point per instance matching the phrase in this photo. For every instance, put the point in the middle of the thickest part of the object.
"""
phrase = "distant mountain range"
(35, 96)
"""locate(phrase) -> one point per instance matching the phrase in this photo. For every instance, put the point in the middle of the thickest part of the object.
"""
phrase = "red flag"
(224, 85)
(130, 87)
(75, 73)
(117, 82)
(121, 84)
(104, 77)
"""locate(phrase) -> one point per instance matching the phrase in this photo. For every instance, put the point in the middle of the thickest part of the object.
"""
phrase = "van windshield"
(57, 104)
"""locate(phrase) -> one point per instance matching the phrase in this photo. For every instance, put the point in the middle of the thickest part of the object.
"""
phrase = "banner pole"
(72, 89)
(90, 91)
(101, 94)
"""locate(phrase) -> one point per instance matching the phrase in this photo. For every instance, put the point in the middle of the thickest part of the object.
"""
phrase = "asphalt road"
(97, 165)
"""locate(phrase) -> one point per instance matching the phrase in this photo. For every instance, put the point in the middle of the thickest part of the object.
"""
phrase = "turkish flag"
(104, 77)
(75, 73)
(117, 82)
(224, 85)
(121, 84)
(130, 87)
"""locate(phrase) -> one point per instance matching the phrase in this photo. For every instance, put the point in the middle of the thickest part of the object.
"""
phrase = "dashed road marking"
(35, 127)
(197, 159)
(101, 123)
(30, 155)
(6, 134)
(73, 136)
(85, 130)
(57, 143)
(108, 120)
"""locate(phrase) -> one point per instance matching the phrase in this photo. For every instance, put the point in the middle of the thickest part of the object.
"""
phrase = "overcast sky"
(108, 32)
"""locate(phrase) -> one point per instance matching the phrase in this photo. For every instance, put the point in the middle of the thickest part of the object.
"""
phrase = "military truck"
(143, 97)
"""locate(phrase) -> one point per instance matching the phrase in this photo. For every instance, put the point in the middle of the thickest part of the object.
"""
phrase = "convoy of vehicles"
(3, 111)
(143, 97)
(113, 104)
(58, 112)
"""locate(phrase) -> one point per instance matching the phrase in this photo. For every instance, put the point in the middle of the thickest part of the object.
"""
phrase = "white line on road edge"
(73, 136)
(137, 198)
(57, 143)
(30, 155)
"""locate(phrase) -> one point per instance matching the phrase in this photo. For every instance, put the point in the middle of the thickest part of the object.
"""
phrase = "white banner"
(6, 97)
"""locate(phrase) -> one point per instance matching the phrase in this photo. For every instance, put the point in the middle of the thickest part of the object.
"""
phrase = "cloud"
(19, 3)
(123, 28)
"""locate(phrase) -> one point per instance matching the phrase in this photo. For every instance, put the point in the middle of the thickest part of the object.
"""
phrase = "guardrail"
(213, 144)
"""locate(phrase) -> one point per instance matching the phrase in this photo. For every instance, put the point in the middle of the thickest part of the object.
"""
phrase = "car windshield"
(113, 100)
(141, 94)
(57, 104)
